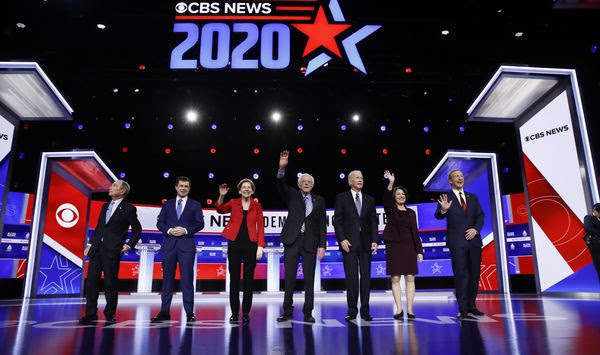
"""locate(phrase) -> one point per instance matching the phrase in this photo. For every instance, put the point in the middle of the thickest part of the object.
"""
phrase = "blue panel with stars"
(57, 274)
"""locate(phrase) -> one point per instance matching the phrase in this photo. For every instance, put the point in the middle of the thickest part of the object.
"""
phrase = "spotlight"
(300, 127)
(21, 155)
(445, 32)
(213, 150)
(124, 149)
(298, 175)
(505, 170)
(170, 126)
(101, 26)
(163, 201)
(426, 129)
(276, 116)
(408, 70)
(518, 34)
(141, 67)
(167, 150)
(343, 151)
(122, 175)
(256, 150)
(300, 150)
(209, 201)
(461, 128)
(115, 90)
(343, 127)
(235, 91)
(255, 176)
(342, 176)
(166, 174)
(213, 126)
(255, 91)
(136, 90)
(594, 48)
(191, 116)
(303, 70)
(257, 127)
(385, 151)
(355, 118)
(127, 125)
(427, 151)
(80, 126)
(211, 175)
(20, 25)
(382, 128)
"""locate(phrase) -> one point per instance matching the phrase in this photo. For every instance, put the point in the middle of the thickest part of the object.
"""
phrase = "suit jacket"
(315, 225)
(254, 220)
(591, 225)
(457, 221)
(114, 233)
(191, 219)
(358, 229)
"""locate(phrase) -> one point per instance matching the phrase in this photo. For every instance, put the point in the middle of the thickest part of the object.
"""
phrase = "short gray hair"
(452, 172)
(125, 186)
(352, 173)
(305, 174)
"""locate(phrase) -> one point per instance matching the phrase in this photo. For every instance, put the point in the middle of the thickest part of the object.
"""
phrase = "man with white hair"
(303, 234)
(355, 223)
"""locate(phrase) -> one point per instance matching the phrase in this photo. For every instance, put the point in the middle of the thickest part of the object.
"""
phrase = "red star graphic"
(321, 33)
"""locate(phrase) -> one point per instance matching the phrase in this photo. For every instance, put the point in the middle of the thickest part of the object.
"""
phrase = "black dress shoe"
(191, 318)
(309, 319)
(411, 316)
(110, 318)
(245, 318)
(349, 318)
(366, 317)
(399, 316)
(87, 319)
(160, 317)
(284, 318)
(465, 316)
(233, 319)
(476, 312)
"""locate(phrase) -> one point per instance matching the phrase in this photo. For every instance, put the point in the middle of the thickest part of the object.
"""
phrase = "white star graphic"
(436, 268)
(327, 270)
(380, 269)
(221, 271)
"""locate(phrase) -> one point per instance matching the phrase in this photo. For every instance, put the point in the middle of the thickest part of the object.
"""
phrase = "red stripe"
(258, 18)
(294, 8)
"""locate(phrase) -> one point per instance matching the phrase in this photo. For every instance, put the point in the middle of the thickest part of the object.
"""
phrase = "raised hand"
(444, 203)
(283, 159)
(223, 190)
(390, 176)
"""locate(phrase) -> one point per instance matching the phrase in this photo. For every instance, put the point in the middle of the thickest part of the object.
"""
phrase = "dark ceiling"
(87, 64)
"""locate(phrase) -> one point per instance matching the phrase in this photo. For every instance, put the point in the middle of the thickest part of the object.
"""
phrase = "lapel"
(362, 205)
(457, 201)
(119, 209)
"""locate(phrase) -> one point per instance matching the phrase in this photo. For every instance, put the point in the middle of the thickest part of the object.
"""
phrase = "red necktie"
(463, 204)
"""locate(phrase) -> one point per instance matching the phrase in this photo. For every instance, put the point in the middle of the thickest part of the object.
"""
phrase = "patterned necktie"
(179, 207)
(463, 203)
(357, 203)
(109, 210)
(307, 211)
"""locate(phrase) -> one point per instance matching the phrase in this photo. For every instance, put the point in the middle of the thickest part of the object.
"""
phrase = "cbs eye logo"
(181, 7)
(67, 215)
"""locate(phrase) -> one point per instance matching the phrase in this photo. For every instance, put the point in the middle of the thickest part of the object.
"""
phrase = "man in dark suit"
(355, 223)
(464, 219)
(179, 220)
(107, 244)
(303, 234)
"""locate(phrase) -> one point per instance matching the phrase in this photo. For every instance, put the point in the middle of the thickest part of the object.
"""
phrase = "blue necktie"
(109, 210)
(358, 204)
(179, 207)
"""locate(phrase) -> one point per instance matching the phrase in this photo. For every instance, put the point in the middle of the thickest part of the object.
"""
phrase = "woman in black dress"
(402, 244)
(591, 224)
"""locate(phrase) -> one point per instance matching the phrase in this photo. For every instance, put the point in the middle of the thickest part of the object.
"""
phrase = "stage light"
(426, 129)
(80, 126)
(505, 170)
(101, 26)
(408, 70)
(594, 48)
(343, 127)
(124, 149)
(257, 127)
(300, 150)
(300, 127)
(276, 116)
(170, 126)
(385, 151)
(303, 70)
(383, 128)
(518, 34)
(445, 32)
(255, 91)
(21, 155)
(211, 176)
(255, 176)
(213, 150)
(461, 128)
(355, 118)
(209, 201)
(141, 67)
(298, 175)
(20, 25)
(122, 175)
(191, 116)
(213, 126)
(342, 176)
(166, 174)
(127, 125)
(115, 90)
(343, 151)
(163, 201)
(256, 151)
(427, 151)
(167, 150)
(235, 91)
(136, 90)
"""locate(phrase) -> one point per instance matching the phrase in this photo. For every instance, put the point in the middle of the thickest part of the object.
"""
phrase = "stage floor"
(517, 325)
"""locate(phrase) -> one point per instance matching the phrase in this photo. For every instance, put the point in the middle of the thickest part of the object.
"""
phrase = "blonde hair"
(239, 185)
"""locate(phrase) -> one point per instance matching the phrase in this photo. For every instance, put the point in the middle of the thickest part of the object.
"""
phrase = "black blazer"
(591, 225)
(457, 221)
(315, 224)
(114, 232)
(349, 225)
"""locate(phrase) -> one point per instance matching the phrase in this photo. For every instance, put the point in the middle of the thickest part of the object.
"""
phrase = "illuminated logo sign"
(67, 215)
(264, 27)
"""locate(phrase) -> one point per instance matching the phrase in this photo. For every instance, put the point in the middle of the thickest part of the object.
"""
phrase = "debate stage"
(513, 325)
